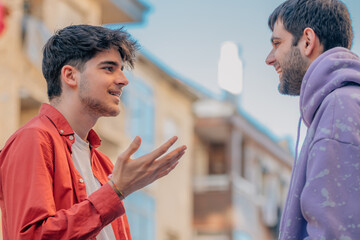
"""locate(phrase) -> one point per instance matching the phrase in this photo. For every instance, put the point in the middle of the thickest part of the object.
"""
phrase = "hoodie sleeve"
(330, 198)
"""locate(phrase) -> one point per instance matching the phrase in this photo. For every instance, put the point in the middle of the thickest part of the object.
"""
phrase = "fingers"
(168, 162)
(138, 173)
(172, 156)
(162, 149)
(133, 147)
(166, 171)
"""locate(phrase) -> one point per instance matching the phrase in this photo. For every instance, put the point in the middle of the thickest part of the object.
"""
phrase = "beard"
(293, 72)
(93, 106)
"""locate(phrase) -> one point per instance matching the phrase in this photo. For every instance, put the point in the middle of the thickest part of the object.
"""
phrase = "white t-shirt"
(81, 159)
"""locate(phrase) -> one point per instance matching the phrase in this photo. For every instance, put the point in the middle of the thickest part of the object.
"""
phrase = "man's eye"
(110, 69)
(276, 44)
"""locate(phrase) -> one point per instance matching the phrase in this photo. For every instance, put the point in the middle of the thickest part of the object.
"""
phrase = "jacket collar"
(63, 126)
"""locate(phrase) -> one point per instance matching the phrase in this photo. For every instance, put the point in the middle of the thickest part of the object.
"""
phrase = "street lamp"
(230, 68)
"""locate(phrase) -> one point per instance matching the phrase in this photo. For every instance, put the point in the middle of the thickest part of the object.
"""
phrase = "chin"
(113, 113)
(108, 111)
(281, 88)
(286, 90)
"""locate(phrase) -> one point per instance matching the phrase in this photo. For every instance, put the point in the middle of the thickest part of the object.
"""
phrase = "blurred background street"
(200, 75)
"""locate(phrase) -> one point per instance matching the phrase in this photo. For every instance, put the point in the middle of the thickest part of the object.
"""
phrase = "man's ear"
(69, 75)
(311, 44)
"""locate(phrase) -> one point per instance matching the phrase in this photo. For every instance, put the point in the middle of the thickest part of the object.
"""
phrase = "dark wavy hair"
(330, 20)
(75, 45)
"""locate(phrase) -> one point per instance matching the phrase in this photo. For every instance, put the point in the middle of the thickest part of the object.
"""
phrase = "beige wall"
(257, 181)
(173, 194)
(23, 89)
(9, 77)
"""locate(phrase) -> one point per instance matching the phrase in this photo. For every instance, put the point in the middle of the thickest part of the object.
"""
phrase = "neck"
(80, 120)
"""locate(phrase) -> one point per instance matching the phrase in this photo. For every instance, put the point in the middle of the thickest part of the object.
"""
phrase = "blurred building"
(159, 106)
(241, 172)
(241, 175)
(156, 105)
(232, 181)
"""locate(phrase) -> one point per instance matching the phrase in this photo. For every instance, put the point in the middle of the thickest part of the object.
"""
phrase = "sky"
(186, 36)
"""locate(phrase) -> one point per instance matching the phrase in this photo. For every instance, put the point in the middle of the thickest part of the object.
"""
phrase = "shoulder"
(37, 131)
(344, 101)
(32, 146)
(338, 117)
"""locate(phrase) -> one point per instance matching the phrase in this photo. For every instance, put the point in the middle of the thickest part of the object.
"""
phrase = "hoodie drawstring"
(297, 140)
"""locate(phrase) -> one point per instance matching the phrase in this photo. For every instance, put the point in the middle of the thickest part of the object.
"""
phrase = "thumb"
(133, 147)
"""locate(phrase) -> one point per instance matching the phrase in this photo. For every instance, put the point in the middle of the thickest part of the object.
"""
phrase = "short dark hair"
(77, 44)
(330, 20)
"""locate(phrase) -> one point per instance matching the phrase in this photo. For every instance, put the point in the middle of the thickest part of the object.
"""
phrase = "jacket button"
(71, 137)
(81, 180)
(61, 131)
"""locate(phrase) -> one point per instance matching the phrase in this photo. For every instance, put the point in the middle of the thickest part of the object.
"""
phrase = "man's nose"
(270, 60)
(121, 79)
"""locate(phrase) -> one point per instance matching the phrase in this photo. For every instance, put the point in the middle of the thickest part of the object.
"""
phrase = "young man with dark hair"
(311, 41)
(54, 182)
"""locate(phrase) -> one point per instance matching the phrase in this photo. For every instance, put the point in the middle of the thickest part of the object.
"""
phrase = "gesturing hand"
(130, 175)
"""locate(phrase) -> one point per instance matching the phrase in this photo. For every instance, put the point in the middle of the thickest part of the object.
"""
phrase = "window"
(139, 107)
(140, 210)
(217, 159)
(138, 102)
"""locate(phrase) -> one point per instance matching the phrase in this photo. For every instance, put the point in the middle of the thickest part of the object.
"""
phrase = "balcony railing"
(211, 183)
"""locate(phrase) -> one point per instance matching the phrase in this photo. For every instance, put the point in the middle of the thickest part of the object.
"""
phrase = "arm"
(28, 204)
(330, 199)
(32, 213)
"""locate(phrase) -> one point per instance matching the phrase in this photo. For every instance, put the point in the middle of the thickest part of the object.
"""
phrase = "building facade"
(241, 175)
(155, 105)
(230, 184)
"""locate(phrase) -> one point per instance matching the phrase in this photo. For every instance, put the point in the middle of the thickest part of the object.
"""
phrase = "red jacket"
(42, 195)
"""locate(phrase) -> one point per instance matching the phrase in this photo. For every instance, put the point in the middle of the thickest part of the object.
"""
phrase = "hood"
(333, 69)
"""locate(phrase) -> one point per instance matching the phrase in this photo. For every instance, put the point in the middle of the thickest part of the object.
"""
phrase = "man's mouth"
(278, 70)
(116, 93)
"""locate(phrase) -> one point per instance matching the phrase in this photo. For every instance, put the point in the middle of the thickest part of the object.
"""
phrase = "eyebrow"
(273, 39)
(116, 64)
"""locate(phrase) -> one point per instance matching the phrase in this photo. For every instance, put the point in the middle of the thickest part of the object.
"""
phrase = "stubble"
(293, 72)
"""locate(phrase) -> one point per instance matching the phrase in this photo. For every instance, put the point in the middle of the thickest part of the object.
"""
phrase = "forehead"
(280, 32)
(108, 54)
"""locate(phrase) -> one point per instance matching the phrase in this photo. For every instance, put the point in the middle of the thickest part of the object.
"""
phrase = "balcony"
(122, 11)
(211, 183)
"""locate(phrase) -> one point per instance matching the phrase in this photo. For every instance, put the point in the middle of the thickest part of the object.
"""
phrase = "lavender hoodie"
(324, 195)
